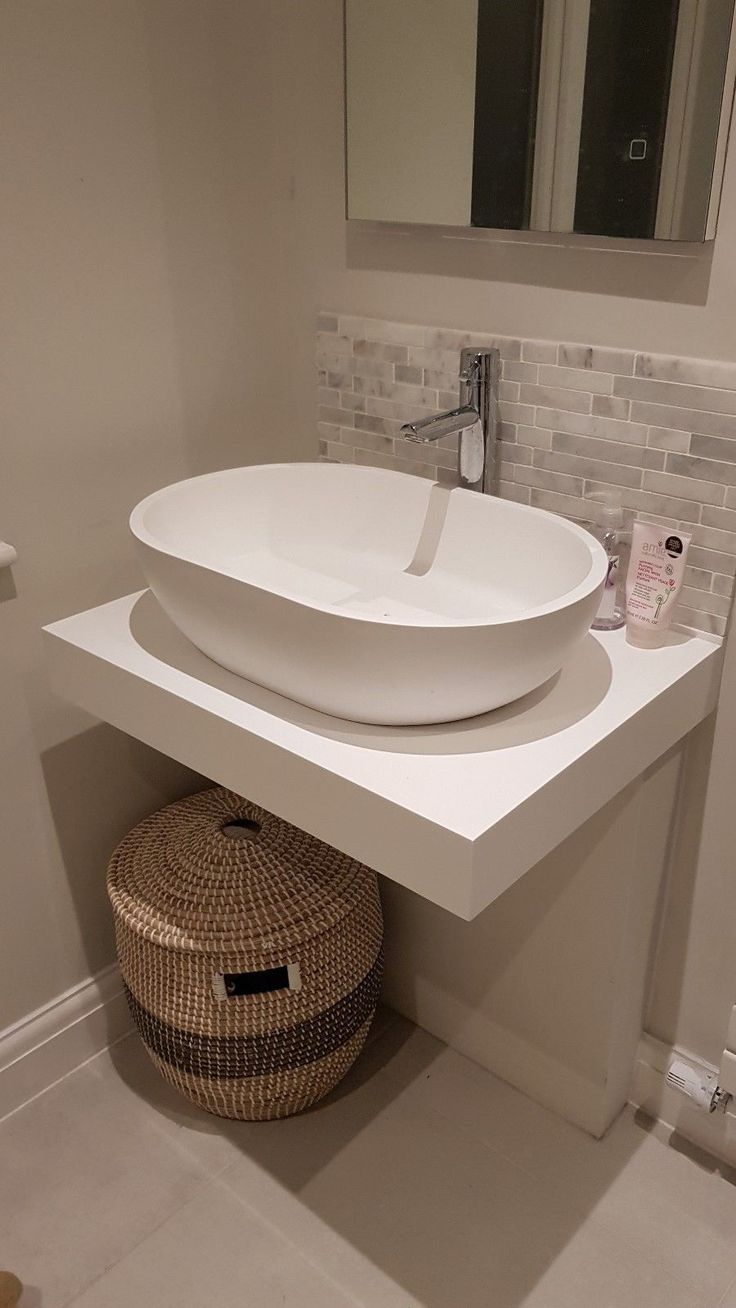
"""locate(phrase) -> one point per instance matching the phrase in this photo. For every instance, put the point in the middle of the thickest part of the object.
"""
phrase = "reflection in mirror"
(606, 117)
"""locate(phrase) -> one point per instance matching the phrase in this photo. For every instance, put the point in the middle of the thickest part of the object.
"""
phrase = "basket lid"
(214, 872)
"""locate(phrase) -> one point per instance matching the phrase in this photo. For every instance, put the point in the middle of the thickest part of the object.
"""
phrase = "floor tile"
(663, 1203)
(345, 1262)
(421, 1182)
(442, 1218)
(446, 1220)
(85, 1173)
(729, 1298)
(595, 1270)
(650, 1196)
(214, 1251)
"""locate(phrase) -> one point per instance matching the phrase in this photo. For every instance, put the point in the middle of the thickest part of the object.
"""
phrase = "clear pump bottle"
(609, 530)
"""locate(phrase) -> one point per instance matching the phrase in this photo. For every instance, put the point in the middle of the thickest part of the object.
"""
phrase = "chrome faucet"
(476, 420)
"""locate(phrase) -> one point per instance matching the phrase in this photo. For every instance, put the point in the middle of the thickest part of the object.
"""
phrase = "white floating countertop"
(455, 812)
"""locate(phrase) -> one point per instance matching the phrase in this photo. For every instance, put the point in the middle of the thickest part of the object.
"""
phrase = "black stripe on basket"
(230, 1057)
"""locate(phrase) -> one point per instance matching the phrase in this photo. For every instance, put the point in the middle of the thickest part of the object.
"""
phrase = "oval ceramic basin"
(369, 594)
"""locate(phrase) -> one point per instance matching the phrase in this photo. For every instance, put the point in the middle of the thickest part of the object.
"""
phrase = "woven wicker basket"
(250, 952)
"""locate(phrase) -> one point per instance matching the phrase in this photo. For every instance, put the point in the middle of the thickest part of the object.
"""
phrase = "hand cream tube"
(655, 576)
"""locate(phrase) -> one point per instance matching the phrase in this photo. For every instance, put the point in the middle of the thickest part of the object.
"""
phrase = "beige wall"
(139, 336)
(568, 289)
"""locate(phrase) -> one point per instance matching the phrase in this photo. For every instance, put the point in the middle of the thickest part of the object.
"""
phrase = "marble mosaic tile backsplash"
(576, 419)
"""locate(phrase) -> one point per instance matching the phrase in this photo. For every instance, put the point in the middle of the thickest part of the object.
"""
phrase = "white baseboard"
(48, 1044)
(715, 1133)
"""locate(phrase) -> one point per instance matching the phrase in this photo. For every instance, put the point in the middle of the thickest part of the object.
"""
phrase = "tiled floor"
(423, 1181)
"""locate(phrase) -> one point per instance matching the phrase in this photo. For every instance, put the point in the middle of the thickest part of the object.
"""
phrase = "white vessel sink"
(369, 594)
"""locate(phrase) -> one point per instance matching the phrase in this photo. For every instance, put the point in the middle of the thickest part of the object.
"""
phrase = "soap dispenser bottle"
(609, 531)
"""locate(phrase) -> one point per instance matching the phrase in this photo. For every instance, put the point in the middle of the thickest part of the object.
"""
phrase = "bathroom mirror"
(607, 117)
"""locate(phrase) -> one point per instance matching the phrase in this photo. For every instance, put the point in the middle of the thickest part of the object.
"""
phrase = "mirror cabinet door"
(606, 117)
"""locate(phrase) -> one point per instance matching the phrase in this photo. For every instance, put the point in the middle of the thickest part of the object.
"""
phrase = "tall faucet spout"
(475, 420)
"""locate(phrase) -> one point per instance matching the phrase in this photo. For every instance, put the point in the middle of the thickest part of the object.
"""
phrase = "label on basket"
(228, 985)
